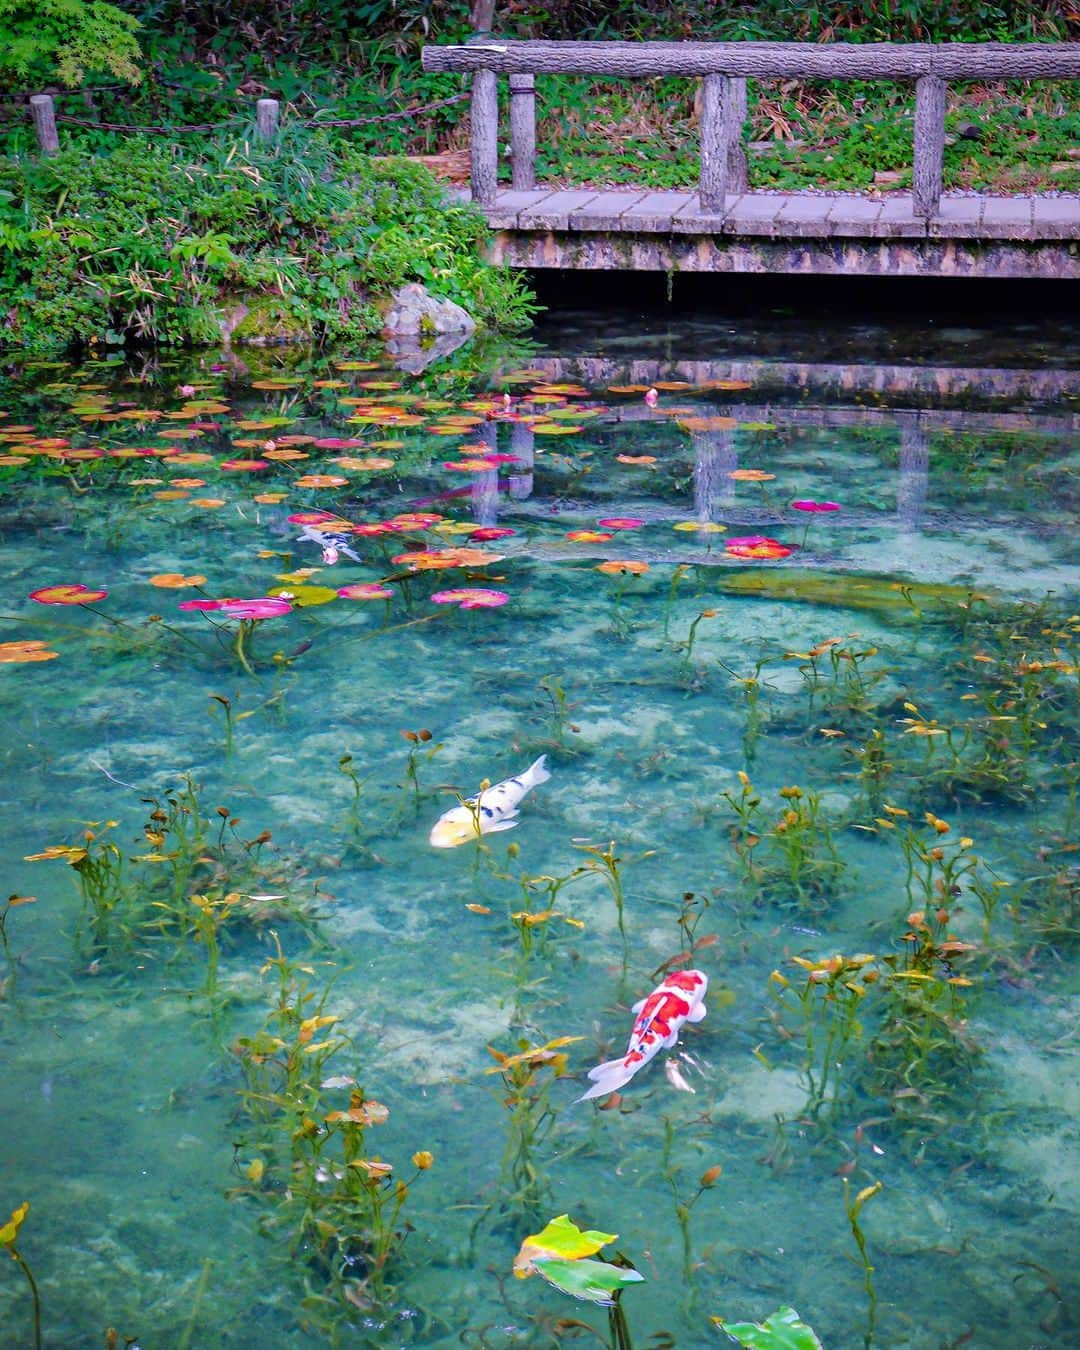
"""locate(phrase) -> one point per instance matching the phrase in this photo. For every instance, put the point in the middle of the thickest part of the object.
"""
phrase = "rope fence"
(267, 119)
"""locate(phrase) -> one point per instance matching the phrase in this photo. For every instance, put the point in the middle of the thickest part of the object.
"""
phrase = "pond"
(781, 619)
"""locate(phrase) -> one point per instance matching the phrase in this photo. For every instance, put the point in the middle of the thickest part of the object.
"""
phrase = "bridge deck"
(784, 215)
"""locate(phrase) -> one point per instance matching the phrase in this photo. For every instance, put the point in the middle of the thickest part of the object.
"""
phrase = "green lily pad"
(596, 1281)
(781, 1330)
(306, 596)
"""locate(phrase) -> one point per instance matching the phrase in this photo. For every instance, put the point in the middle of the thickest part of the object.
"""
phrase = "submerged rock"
(413, 310)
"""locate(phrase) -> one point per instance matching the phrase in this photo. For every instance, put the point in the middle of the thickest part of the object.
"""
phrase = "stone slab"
(1006, 218)
(1055, 218)
(756, 214)
(509, 204)
(606, 210)
(654, 212)
(693, 218)
(554, 211)
(956, 218)
(806, 216)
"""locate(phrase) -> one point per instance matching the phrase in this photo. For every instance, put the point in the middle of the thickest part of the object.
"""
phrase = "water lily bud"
(423, 1160)
(709, 1176)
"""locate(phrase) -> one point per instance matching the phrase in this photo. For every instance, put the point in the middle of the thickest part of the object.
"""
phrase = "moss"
(264, 320)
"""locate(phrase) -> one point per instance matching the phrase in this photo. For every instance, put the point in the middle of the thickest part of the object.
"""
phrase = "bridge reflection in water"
(911, 405)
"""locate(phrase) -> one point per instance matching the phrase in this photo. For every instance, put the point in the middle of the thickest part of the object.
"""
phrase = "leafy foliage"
(66, 40)
(156, 242)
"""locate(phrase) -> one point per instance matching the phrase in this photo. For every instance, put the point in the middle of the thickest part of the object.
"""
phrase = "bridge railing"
(724, 68)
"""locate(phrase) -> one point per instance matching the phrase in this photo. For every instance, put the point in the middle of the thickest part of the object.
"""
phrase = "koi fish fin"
(638, 1006)
(608, 1077)
(672, 1038)
(499, 825)
(537, 772)
(698, 1014)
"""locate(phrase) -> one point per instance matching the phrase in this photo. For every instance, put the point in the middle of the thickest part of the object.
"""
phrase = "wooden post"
(929, 143)
(522, 132)
(44, 113)
(266, 118)
(738, 178)
(714, 164)
(485, 137)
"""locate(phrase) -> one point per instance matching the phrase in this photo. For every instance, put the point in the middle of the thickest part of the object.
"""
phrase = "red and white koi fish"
(493, 809)
(658, 1021)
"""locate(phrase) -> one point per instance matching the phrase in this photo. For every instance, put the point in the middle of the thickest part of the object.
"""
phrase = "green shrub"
(157, 242)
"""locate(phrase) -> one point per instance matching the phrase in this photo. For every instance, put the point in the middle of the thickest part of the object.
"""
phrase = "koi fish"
(489, 811)
(332, 545)
(658, 1021)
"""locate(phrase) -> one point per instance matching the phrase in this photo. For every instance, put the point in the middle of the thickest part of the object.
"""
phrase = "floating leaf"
(21, 653)
(781, 1330)
(305, 596)
(595, 1281)
(560, 1238)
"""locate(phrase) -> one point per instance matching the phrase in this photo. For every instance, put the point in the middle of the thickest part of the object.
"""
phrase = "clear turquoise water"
(953, 458)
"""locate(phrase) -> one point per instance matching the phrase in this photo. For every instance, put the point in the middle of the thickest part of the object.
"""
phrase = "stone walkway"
(784, 215)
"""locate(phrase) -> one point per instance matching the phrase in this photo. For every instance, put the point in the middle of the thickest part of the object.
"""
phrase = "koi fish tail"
(608, 1078)
(537, 772)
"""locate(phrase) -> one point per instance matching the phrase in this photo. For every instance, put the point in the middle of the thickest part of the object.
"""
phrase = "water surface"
(907, 662)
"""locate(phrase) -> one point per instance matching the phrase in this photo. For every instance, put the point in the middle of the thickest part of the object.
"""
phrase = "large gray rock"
(413, 310)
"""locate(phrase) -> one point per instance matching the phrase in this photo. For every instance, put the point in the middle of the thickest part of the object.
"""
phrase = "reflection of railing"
(724, 68)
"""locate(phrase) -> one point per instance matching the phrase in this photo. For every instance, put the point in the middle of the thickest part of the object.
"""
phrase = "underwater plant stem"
(34, 1294)
(617, 1325)
(200, 1294)
(853, 1209)
(240, 645)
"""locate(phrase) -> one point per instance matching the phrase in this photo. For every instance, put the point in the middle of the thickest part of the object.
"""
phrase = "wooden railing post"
(738, 178)
(522, 132)
(714, 164)
(929, 144)
(485, 137)
(723, 157)
(266, 118)
(44, 113)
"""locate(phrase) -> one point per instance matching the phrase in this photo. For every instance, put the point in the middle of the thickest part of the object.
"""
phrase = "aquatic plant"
(9, 1234)
(561, 1253)
(751, 687)
(853, 1209)
(415, 758)
(7, 984)
(528, 1075)
(781, 1330)
(129, 899)
(686, 647)
(340, 1204)
(822, 1013)
(561, 708)
(671, 1172)
(793, 862)
(107, 901)
(250, 614)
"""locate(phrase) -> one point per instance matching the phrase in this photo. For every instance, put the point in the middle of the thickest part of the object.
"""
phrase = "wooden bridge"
(724, 226)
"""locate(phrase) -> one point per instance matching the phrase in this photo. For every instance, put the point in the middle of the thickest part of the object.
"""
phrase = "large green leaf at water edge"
(781, 1330)
(593, 1280)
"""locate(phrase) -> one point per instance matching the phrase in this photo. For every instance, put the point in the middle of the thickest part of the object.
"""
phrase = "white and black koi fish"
(658, 1021)
(493, 809)
(331, 544)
